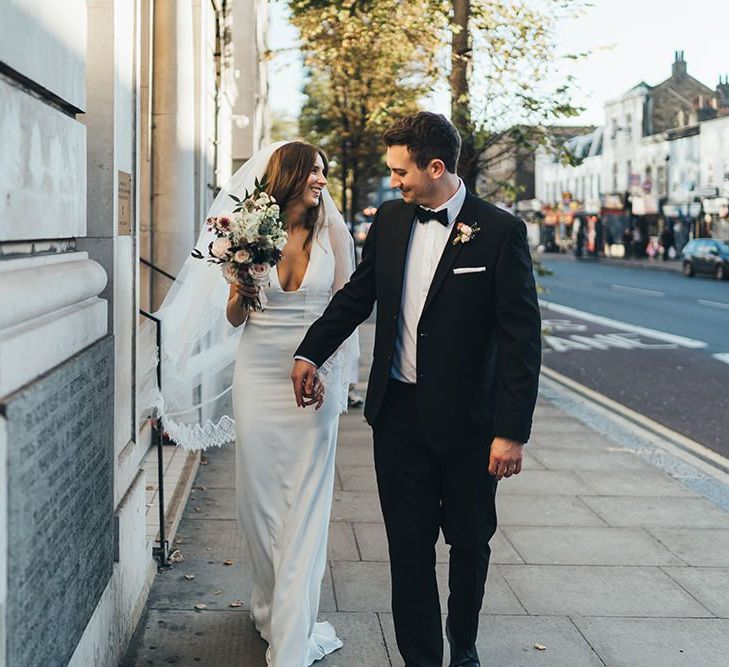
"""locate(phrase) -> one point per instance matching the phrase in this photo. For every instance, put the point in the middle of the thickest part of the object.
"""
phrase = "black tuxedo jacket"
(479, 335)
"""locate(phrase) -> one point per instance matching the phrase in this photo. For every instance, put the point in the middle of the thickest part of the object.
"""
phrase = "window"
(628, 126)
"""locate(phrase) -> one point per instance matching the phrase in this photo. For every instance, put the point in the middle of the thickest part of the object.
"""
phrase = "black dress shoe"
(460, 656)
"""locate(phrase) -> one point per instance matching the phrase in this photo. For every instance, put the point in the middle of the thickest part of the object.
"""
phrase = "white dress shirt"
(427, 243)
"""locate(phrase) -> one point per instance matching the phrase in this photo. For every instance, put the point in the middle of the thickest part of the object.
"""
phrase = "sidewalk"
(600, 558)
(672, 265)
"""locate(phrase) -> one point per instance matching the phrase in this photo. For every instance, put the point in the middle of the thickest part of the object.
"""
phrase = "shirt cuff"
(309, 361)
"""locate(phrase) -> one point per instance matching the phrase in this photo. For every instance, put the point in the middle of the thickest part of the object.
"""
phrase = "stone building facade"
(116, 127)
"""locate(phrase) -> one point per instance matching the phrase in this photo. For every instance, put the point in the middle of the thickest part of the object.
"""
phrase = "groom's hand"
(303, 377)
(505, 457)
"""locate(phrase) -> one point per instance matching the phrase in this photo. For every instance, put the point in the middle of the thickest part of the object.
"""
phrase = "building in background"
(117, 126)
(654, 171)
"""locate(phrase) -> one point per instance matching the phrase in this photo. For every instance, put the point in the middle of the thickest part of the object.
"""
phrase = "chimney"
(679, 65)
(722, 91)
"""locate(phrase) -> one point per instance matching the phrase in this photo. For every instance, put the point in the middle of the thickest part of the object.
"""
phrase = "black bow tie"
(424, 215)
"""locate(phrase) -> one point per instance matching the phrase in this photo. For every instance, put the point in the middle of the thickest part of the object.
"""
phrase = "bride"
(284, 465)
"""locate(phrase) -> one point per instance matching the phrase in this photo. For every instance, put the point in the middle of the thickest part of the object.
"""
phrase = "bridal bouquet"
(249, 241)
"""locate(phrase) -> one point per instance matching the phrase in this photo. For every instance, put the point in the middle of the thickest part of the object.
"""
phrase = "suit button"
(394, 317)
(423, 335)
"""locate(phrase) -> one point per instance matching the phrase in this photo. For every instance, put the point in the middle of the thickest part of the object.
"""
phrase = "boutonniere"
(465, 233)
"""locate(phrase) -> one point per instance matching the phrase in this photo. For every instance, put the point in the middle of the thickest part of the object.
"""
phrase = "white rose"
(220, 247)
(259, 273)
(242, 256)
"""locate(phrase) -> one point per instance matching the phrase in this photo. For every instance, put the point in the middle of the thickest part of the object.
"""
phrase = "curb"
(690, 451)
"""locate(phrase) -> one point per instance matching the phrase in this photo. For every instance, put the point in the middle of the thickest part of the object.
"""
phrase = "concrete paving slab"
(540, 545)
(372, 542)
(545, 482)
(658, 511)
(216, 475)
(356, 506)
(567, 590)
(508, 641)
(213, 503)
(651, 642)
(195, 639)
(544, 510)
(708, 547)
(342, 544)
(558, 423)
(709, 585)
(365, 586)
(364, 645)
(648, 482)
(580, 439)
(358, 478)
(214, 584)
(355, 456)
(564, 458)
(528, 462)
(215, 539)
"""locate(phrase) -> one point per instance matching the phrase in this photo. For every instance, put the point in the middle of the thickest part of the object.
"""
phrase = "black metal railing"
(162, 552)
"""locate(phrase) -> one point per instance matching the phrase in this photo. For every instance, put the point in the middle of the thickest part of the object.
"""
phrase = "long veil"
(198, 344)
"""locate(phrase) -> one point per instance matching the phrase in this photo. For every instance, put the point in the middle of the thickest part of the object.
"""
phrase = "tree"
(369, 61)
(503, 56)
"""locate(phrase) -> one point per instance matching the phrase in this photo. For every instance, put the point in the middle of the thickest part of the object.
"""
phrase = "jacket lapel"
(467, 216)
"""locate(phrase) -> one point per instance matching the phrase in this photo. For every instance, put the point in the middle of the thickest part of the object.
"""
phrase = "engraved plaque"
(60, 506)
(124, 210)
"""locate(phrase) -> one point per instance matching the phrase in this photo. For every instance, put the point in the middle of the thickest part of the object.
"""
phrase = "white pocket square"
(469, 269)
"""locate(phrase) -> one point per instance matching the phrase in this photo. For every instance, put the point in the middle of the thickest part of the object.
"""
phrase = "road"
(654, 341)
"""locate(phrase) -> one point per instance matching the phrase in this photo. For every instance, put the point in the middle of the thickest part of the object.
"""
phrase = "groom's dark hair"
(428, 136)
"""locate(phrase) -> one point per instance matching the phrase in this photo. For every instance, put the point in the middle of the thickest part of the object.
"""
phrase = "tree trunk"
(343, 173)
(461, 93)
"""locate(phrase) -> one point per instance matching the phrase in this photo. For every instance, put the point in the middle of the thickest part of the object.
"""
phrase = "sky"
(631, 41)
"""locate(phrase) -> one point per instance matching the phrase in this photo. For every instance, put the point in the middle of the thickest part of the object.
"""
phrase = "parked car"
(707, 256)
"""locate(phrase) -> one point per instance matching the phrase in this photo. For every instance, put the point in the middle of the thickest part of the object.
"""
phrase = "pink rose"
(242, 256)
(220, 248)
(230, 272)
(465, 230)
(259, 273)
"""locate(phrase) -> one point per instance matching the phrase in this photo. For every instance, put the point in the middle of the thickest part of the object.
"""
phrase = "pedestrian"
(453, 382)
(284, 457)
(627, 242)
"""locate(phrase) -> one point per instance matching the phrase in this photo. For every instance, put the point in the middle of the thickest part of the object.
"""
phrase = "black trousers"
(422, 492)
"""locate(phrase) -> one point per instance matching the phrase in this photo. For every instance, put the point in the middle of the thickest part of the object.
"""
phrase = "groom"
(453, 382)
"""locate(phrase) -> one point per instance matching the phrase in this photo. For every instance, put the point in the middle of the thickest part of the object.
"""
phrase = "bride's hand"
(317, 395)
(248, 292)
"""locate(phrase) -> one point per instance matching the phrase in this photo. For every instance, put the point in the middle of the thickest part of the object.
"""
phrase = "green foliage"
(368, 63)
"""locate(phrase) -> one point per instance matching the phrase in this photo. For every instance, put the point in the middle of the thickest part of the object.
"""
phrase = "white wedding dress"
(285, 470)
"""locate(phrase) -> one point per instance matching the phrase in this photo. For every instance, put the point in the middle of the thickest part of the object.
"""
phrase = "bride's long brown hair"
(287, 175)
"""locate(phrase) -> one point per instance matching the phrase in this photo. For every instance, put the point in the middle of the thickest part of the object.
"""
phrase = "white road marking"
(637, 290)
(681, 341)
(714, 304)
(722, 356)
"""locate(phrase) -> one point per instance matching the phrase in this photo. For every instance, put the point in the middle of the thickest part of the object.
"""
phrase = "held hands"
(308, 387)
(505, 458)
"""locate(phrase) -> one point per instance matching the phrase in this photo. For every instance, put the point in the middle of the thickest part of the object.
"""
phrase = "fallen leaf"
(228, 562)
(197, 509)
(189, 577)
(176, 556)
(236, 603)
(203, 462)
(540, 647)
(218, 592)
(201, 606)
